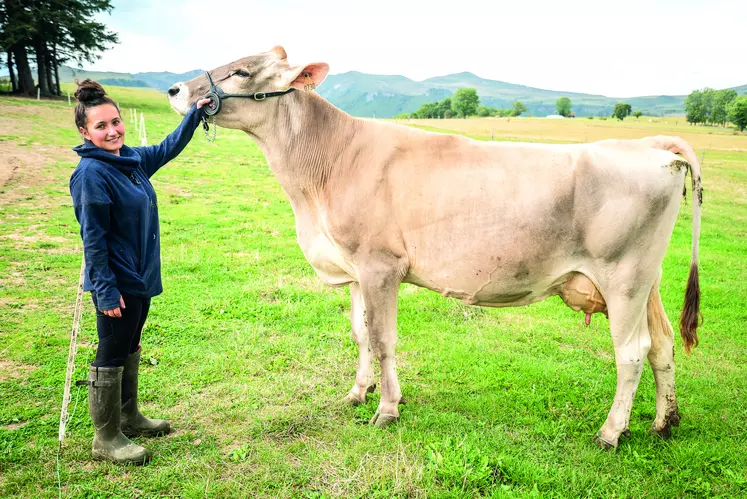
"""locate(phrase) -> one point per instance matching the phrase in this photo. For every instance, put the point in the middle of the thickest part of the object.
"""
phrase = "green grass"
(249, 355)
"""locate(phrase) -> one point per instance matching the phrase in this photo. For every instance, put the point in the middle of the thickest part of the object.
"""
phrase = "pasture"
(249, 355)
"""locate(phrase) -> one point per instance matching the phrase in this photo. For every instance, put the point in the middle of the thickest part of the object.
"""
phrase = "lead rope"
(206, 128)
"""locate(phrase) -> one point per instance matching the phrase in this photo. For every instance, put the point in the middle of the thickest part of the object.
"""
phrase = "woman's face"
(105, 128)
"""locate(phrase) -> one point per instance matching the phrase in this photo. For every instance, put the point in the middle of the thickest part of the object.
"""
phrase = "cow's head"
(266, 72)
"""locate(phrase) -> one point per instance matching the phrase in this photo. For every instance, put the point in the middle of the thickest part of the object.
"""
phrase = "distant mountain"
(377, 96)
(385, 96)
(123, 82)
(162, 81)
(69, 75)
(159, 81)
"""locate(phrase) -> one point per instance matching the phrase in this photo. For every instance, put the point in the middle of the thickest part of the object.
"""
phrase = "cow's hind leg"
(379, 290)
(661, 358)
(630, 336)
(364, 376)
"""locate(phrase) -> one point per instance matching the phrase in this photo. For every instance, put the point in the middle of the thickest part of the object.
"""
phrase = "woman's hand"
(115, 312)
(202, 102)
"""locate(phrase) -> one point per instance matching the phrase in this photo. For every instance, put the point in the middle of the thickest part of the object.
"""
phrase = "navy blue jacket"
(117, 209)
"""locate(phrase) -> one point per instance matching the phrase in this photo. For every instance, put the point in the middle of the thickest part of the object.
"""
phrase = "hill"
(385, 96)
(159, 81)
(361, 95)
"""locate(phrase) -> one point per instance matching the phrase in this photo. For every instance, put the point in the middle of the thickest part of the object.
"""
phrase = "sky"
(612, 48)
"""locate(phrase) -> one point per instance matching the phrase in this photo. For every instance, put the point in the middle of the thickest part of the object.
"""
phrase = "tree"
(485, 111)
(444, 107)
(54, 31)
(708, 104)
(694, 112)
(701, 104)
(563, 106)
(427, 110)
(519, 108)
(721, 101)
(621, 111)
(737, 112)
(16, 21)
(637, 114)
(465, 102)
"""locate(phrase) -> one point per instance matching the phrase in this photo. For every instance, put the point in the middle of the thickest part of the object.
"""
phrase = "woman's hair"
(89, 94)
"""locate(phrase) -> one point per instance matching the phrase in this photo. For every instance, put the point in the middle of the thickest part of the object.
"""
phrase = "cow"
(378, 204)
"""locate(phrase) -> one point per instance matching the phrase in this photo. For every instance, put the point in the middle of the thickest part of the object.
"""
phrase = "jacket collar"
(127, 161)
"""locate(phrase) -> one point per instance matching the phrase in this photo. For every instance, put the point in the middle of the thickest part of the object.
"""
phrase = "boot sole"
(136, 462)
(146, 434)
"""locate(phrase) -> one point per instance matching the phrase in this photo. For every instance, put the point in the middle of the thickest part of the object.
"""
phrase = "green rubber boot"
(105, 406)
(133, 423)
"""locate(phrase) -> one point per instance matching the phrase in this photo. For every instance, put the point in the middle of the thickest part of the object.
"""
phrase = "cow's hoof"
(383, 420)
(626, 433)
(604, 444)
(355, 398)
(664, 430)
(663, 433)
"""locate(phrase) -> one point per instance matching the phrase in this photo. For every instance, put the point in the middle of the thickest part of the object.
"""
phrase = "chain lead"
(206, 128)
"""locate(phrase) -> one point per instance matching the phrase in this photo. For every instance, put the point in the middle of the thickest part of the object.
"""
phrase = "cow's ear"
(305, 77)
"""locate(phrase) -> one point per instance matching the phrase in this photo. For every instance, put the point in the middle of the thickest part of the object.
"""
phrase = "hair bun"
(89, 90)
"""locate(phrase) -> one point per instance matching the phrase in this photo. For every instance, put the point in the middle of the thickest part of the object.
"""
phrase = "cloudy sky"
(613, 48)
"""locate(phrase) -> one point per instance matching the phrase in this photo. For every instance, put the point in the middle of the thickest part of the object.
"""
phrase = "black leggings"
(119, 337)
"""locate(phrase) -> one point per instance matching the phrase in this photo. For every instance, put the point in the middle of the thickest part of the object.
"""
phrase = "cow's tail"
(690, 318)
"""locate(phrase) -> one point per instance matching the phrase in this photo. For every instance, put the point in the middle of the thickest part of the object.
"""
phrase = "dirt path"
(19, 164)
(24, 165)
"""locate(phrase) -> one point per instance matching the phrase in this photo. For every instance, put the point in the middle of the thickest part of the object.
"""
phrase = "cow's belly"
(489, 270)
(491, 283)
(328, 262)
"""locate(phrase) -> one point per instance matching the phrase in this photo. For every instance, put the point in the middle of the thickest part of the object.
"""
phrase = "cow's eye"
(241, 73)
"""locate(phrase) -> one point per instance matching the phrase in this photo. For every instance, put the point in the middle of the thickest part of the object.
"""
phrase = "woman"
(116, 207)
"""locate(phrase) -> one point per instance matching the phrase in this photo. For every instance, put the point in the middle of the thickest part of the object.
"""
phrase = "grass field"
(249, 355)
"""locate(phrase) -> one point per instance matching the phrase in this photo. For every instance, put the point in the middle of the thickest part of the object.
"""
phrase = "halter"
(216, 96)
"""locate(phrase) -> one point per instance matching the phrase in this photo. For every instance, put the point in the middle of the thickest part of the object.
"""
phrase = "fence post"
(143, 138)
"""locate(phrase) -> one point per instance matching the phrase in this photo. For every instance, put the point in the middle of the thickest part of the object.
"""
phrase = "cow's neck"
(304, 142)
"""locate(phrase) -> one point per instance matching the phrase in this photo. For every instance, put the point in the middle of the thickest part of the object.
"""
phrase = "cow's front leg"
(379, 290)
(364, 376)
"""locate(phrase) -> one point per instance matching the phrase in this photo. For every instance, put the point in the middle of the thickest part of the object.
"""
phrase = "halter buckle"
(260, 96)
(215, 101)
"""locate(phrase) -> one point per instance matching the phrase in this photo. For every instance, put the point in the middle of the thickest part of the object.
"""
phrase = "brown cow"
(492, 224)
